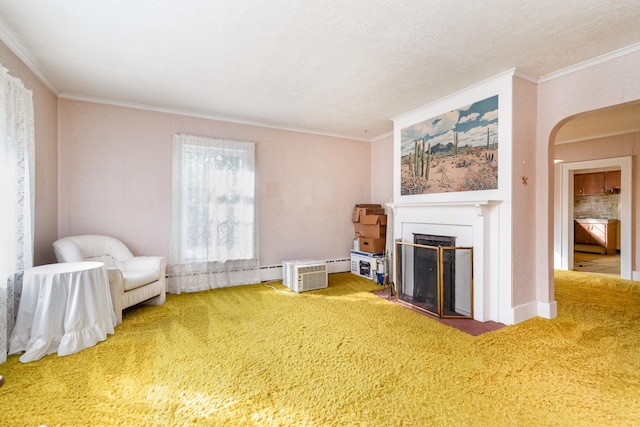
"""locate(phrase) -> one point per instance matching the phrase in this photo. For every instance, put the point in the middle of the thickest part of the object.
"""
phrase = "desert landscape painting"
(455, 151)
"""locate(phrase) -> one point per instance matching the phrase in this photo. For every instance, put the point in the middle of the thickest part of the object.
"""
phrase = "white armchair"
(132, 279)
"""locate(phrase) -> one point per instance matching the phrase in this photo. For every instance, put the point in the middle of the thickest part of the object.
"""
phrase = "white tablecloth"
(64, 308)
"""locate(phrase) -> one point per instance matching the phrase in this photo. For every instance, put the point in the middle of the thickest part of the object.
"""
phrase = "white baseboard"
(339, 265)
(270, 272)
(274, 272)
(635, 275)
(546, 310)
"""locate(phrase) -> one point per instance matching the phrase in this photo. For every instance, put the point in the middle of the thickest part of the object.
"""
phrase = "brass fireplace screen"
(435, 276)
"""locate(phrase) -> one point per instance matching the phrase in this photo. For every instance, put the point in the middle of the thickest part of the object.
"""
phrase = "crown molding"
(104, 101)
(519, 73)
(591, 62)
(21, 53)
(382, 135)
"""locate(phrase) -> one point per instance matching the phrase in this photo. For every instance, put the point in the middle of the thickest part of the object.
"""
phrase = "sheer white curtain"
(17, 143)
(214, 215)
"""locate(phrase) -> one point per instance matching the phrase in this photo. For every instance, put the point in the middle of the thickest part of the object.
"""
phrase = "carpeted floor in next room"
(342, 356)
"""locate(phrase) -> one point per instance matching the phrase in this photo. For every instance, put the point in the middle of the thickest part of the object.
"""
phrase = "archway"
(598, 140)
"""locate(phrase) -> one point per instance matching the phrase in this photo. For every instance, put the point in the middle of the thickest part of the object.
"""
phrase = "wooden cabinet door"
(577, 185)
(581, 233)
(593, 183)
(598, 233)
(612, 179)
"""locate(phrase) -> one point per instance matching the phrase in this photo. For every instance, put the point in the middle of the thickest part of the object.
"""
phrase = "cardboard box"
(376, 219)
(366, 209)
(364, 264)
(372, 231)
(371, 211)
(375, 231)
(372, 246)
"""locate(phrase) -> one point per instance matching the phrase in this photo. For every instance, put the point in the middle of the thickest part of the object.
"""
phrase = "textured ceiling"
(332, 66)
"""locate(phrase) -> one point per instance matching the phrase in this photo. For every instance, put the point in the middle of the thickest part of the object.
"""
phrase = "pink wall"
(46, 153)
(601, 85)
(523, 196)
(382, 169)
(603, 148)
(115, 179)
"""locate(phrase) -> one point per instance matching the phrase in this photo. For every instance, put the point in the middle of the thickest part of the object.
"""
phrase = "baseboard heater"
(304, 275)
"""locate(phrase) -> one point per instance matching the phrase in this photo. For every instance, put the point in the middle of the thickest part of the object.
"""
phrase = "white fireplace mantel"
(474, 223)
(478, 204)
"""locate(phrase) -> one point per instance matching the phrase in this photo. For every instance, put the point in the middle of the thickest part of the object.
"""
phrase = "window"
(214, 214)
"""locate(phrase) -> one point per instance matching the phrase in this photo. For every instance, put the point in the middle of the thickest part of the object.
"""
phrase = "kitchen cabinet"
(581, 234)
(598, 232)
(593, 183)
(577, 185)
(612, 180)
(596, 183)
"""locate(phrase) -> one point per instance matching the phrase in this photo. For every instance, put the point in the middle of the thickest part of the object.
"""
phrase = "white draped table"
(64, 308)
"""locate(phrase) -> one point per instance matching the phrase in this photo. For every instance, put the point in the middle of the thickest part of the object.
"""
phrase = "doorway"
(566, 172)
(596, 209)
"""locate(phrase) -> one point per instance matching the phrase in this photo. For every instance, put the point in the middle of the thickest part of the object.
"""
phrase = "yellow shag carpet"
(341, 356)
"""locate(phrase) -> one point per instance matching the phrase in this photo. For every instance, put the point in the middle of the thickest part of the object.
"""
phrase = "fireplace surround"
(474, 224)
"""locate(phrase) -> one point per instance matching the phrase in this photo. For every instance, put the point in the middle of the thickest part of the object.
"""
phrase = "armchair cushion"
(135, 279)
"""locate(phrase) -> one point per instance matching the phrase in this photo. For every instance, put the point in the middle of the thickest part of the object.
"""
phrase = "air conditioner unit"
(304, 275)
(287, 270)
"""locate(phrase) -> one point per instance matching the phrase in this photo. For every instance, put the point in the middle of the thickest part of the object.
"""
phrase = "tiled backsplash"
(599, 206)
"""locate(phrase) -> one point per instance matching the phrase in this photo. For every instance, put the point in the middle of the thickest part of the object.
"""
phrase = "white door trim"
(566, 216)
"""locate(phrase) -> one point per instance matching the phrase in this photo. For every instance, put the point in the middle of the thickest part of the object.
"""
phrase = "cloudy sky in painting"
(471, 122)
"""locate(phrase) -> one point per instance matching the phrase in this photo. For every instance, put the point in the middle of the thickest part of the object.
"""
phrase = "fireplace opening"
(435, 276)
(425, 289)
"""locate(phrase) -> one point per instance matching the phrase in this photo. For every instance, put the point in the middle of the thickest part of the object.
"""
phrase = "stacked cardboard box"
(370, 225)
